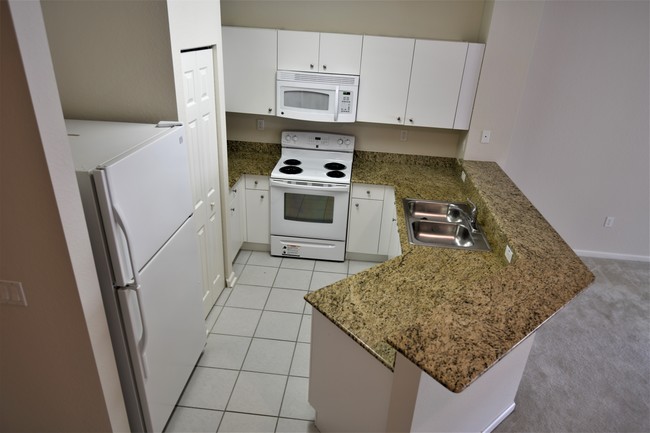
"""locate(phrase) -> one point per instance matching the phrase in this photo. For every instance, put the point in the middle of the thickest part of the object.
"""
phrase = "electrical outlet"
(508, 254)
(12, 293)
(485, 136)
(403, 135)
(609, 222)
(260, 124)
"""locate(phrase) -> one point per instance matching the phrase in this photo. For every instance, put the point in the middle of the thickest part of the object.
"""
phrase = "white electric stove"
(310, 194)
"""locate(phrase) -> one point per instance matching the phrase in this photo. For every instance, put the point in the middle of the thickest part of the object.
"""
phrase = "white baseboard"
(613, 256)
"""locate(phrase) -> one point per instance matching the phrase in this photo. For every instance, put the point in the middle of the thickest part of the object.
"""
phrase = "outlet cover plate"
(12, 293)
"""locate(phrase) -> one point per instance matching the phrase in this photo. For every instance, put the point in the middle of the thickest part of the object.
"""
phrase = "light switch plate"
(12, 293)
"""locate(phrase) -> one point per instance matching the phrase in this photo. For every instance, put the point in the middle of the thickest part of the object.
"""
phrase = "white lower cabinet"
(258, 210)
(236, 215)
(372, 219)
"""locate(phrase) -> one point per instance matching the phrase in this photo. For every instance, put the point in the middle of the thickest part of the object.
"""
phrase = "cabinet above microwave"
(402, 81)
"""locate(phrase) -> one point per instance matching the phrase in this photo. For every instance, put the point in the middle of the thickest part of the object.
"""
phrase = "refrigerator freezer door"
(171, 302)
(148, 189)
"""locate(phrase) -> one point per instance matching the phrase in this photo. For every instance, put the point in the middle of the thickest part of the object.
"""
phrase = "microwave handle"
(283, 184)
(336, 106)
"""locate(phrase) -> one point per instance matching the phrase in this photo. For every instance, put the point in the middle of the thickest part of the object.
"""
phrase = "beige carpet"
(589, 370)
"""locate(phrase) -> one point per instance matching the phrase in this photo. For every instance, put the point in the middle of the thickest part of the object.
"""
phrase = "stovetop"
(314, 156)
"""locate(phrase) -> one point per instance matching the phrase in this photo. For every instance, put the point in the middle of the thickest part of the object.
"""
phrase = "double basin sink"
(443, 224)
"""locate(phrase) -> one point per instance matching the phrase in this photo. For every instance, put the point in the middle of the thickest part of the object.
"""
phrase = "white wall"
(57, 370)
(580, 147)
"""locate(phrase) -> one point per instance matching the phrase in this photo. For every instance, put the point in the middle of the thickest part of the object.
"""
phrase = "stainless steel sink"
(443, 224)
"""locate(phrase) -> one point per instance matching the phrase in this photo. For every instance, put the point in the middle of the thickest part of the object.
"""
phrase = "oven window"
(306, 100)
(309, 208)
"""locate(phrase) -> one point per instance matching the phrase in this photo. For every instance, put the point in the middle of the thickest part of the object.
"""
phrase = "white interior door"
(201, 131)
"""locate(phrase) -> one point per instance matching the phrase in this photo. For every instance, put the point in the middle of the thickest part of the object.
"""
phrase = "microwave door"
(306, 104)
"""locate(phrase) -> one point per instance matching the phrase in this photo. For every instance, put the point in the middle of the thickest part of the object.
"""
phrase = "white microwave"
(317, 97)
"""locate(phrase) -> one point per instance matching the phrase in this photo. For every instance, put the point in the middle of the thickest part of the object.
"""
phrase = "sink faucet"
(469, 219)
(472, 215)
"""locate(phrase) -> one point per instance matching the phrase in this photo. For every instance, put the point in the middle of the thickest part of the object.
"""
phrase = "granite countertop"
(454, 313)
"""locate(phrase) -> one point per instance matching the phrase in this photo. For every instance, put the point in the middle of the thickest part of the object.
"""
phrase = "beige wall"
(435, 19)
(508, 52)
(369, 137)
(57, 371)
(448, 20)
(580, 145)
(112, 59)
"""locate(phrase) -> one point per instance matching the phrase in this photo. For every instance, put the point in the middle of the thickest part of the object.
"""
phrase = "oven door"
(311, 210)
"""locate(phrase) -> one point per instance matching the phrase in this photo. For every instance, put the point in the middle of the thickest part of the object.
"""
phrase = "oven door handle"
(309, 186)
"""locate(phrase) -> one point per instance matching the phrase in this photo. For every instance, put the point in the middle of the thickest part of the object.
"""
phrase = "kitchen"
(444, 143)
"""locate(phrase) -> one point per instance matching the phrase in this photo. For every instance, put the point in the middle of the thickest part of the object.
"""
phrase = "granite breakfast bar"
(462, 318)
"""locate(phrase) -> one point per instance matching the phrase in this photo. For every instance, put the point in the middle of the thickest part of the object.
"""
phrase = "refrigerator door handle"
(142, 343)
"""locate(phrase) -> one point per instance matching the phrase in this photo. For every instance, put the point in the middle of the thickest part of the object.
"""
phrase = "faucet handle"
(474, 210)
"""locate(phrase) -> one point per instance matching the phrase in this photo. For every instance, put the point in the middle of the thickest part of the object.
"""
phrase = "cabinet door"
(468, 86)
(340, 53)
(298, 51)
(435, 83)
(257, 216)
(364, 226)
(250, 62)
(388, 211)
(236, 219)
(385, 72)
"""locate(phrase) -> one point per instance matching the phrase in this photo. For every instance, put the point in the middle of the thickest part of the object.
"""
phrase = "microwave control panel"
(345, 102)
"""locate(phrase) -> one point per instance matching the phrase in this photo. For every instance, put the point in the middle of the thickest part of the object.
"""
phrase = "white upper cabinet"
(436, 77)
(469, 85)
(403, 81)
(250, 63)
(298, 51)
(319, 52)
(340, 53)
(384, 79)
(418, 82)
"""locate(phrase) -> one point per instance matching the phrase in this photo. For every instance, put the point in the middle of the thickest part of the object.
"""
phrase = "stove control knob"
(294, 138)
(340, 141)
(347, 141)
(287, 137)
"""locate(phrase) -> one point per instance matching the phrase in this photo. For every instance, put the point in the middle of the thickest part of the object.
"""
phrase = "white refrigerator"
(134, 181)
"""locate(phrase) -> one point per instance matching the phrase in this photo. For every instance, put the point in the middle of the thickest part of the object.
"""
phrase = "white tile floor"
(253, 375)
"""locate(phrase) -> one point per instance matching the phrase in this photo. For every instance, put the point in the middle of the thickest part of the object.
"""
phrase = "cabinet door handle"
(212, 205)
(411, 120)
(255, 183)
(234, 190)
(368, 192)
(324, 67)
(311, 66)
(399, 119)
(357, 205)
(232, 209)
(270, 110)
